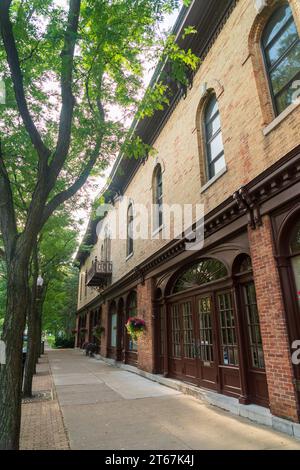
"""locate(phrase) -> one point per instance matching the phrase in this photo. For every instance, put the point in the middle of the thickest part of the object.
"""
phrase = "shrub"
(64, 342)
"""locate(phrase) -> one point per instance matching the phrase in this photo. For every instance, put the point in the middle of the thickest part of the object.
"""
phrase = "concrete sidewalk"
(108, 408)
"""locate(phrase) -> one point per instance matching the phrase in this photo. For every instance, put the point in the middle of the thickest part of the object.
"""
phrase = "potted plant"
(135, 327)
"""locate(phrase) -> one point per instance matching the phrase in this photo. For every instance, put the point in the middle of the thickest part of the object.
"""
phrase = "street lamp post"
(40, 284)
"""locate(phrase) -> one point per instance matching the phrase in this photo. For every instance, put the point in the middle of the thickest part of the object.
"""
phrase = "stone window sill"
(213, 180)
(281, 117)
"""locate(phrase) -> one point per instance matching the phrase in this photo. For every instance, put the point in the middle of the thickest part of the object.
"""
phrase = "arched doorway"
(213, 333)
(289, 268)
(131, 347)
(253, 363)
(95, 320)
(121, 330)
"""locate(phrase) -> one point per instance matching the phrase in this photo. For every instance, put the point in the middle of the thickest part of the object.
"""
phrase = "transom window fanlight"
(203, 272)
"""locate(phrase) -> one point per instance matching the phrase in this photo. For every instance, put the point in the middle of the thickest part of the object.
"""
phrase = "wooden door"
(255, 364)
(206, 342)
(229, 375)
(182, 347)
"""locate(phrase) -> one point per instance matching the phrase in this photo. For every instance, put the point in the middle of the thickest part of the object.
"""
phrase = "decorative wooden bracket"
(140, 273)
(250, 206)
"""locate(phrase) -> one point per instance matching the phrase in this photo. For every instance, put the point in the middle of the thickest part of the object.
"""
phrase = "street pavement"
(107, 408)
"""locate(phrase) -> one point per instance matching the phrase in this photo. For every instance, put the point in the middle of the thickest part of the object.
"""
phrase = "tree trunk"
(32, 346)
(11, 372)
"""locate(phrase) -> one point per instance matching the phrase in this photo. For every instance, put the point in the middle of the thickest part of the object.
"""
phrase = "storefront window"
(295, 252)
(114, 330)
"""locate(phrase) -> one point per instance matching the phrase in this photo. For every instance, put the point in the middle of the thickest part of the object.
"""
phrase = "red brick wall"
(283, 401)
(145, 311)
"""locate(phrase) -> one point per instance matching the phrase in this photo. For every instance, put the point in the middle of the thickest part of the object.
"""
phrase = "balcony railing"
(99, 274)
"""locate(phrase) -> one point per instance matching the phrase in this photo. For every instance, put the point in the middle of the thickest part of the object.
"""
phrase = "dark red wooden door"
(203, 345)
(182, 350)
(206, 342)
(256, 374)
(229, 374)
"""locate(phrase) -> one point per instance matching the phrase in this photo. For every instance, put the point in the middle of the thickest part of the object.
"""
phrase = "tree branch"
(17, 78)
(8, 223)
(68, 101)
(63, 196)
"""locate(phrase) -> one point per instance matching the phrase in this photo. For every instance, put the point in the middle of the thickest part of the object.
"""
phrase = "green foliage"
(65, 342)
(57, 245)
(114, 42)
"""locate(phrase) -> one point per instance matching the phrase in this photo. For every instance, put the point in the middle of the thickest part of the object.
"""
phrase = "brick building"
(223, 317)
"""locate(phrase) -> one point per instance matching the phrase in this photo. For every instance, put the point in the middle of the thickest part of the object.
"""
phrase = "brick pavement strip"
(42, 426)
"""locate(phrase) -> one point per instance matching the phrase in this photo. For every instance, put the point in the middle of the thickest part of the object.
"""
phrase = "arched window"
(130, 230)
(205, 271)
(281, 47)
(158, 197)
(215, 159)
(242, 265)
(295, 256)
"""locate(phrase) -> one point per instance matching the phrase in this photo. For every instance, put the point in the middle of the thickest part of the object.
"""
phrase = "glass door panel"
(188, 331)
(113, 342)
(229, 347)
(175, 331)
(254, 334)
(205, 329)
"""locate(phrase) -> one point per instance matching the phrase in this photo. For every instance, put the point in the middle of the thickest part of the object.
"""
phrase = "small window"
(281, 47)
(158, 197)
(130, 230)
(106, 255)
(213, 138)
(203, 272)
(242, 265)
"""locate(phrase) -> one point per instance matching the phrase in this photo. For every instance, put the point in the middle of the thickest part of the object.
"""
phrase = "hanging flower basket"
(83, 330)
(135, 327)
(74, 331)
(98, 330)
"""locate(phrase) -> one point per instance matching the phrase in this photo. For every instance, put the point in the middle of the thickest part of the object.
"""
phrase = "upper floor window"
(158, 197)
(130, 230)
(106, 246)
(213, 139)
(281, 47)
